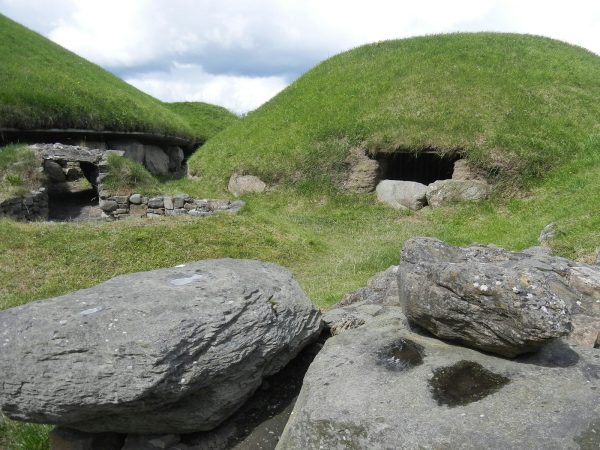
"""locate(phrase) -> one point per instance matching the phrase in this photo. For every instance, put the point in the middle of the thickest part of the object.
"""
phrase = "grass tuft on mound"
(206, 120)
(517, 105)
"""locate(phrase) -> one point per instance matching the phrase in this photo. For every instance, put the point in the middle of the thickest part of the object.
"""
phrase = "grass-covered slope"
(519, 102)
(43, 85)
(206, 120)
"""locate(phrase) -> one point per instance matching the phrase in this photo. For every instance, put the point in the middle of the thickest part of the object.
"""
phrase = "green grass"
(43, 85)
(517, 104)
(23, 436)
(19, 171)
(495, 97)
(125, 176)
(206, 120)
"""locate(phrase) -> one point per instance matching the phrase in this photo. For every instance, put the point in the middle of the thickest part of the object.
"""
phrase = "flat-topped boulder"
(63, 152)
(383, 386)
(168, 351)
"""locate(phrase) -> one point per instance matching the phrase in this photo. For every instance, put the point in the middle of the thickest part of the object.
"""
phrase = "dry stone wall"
(32, 206)
(137, 205)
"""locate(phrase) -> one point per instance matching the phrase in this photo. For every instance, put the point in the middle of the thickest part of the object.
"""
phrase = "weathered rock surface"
(245, 184)
(485, 297)
(547, 234)
(363, 173)
(169, 351)
(156, 160)
(381, 386)
(382, 288)
(448, 192)
(402, 194)
(63, 152)
(462, 171)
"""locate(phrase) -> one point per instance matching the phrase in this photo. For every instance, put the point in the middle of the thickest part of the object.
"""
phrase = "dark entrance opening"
(425, 167)
(75, 199)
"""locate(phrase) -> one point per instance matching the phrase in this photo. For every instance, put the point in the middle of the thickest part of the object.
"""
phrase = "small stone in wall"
(108, 205)
(245, 184)
(156, 202)
(168, 202)
(135, 199)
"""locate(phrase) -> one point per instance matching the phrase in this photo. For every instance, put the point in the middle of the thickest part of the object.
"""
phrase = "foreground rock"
(447, 192)
(245, 184)
(402, 194)
(484, 297)
(383, 386)
(168, 351)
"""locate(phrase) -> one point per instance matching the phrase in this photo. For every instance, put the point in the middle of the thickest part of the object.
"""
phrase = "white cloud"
(259, 43)
(191, 83)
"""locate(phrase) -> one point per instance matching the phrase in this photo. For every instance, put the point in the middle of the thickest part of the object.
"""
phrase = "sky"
(240, 53)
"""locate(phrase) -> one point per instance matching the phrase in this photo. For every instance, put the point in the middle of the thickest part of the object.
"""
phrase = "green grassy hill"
(506, 101)
(205, 119)
(42, 85)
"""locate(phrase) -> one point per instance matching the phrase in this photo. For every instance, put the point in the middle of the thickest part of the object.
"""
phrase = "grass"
(517, 104)
(43, 85)
(125, 176)
(23, 436)
(528, 106)
(206, 120)
(19, 171)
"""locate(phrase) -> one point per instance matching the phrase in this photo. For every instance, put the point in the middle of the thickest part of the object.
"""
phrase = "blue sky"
(240, 53)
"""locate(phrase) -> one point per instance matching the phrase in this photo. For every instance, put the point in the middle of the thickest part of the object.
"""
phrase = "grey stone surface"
(136, 199)
(168, 202)
(245, 184)
(54, 171)
(73, 153)
(447, 192)
(484, 297)
(169, 351)
(156, 202)
(108, 205)
(462, 171)
(547, 234)
(402, 194)
(156, 160)
(176, 157)
(382, 288)
(359, 393)
(132, 150)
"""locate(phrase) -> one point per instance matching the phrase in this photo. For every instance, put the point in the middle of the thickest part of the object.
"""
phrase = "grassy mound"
(43, 85)
(508, 102)
(206, 120)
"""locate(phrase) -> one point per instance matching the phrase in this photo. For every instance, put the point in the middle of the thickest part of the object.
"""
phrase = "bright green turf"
(42, 85)
(205, 119)
(522, 103)
(529, 97)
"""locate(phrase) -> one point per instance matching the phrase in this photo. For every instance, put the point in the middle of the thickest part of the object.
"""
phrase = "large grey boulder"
(448, 192)
(402, 194)
(381, 386)
(245, 184)
(485, 297)
(156, 160)
(168, 351)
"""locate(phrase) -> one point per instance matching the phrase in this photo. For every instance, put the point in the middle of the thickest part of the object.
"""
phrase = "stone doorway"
(424, 167)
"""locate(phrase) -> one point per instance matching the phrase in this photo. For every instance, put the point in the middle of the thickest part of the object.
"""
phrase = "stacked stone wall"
(32, 206)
